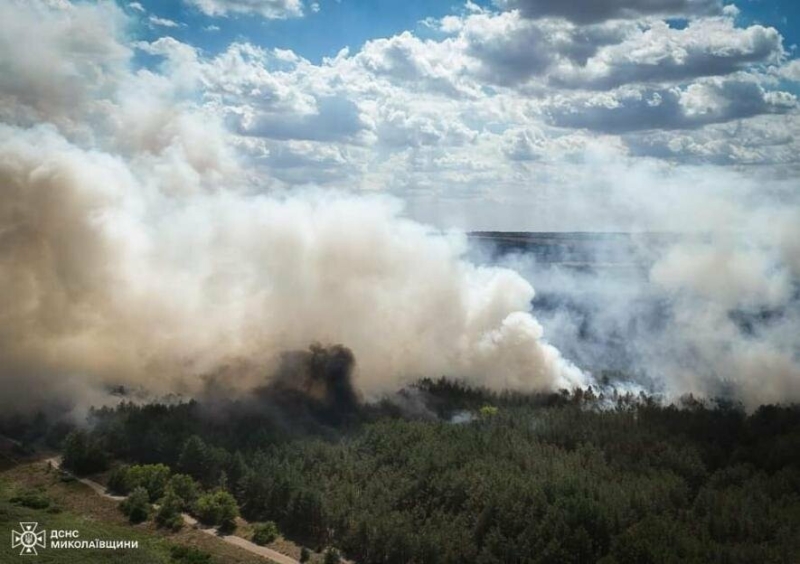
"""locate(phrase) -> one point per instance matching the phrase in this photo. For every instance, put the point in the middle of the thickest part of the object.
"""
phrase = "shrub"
(169, 515)
(151, 477)
(305, 555)
(217, 508)
(137, 505)
(265, 533)
(332, 556)
(188, 555)
(119, 481)
(185, 488)
(32, 499)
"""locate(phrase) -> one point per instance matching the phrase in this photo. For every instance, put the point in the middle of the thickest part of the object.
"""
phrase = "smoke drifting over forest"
(108, 280)
(715, 314)
(135, 250)
(132, 251)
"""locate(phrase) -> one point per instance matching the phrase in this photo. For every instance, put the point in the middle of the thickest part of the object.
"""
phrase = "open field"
(73, 505)
(151, 548)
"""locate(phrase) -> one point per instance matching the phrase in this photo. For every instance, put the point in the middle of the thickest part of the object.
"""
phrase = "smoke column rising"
(134, 251)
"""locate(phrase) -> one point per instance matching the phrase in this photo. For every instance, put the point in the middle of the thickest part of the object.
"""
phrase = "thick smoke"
(310, 390)
(134, 249)
(317, 382)
(710, 306)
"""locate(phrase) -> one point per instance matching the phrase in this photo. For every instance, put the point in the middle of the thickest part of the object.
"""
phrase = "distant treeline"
(453, 474)
(580, 247)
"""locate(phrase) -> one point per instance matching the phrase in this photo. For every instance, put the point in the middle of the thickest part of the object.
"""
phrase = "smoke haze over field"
(141, 242)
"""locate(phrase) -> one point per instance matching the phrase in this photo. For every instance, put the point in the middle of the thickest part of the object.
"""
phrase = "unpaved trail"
(98, 488)
(245, 544)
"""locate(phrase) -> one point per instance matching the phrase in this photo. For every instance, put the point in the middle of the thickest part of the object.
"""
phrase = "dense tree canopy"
(83, 453)
(450, 474)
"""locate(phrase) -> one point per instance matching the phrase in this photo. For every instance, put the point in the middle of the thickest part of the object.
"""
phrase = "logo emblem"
(29, 539)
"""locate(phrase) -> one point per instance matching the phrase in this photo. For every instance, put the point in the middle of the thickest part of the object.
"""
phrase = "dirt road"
(245, 544)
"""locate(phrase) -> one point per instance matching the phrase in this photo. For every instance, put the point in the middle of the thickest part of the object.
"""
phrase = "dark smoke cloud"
(306, 391)
(318, 381)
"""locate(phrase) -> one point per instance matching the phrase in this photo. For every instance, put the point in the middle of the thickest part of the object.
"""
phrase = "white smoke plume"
(134, 249)
(138, 248)
(735, 313)
(707, 305)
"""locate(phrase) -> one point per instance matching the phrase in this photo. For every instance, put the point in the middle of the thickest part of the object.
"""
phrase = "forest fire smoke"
(140, 246)
(136, 249)
(105, 280)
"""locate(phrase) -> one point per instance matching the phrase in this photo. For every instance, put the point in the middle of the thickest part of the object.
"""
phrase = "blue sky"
(338, 24)
(782, 14)
(349, 23)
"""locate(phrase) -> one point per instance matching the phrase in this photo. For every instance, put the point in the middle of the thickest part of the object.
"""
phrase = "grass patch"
(32, 499)
(74, 506)
(29, 506)
(189, 555)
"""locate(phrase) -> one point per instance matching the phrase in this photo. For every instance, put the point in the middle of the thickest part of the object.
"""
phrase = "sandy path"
(245, 544)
